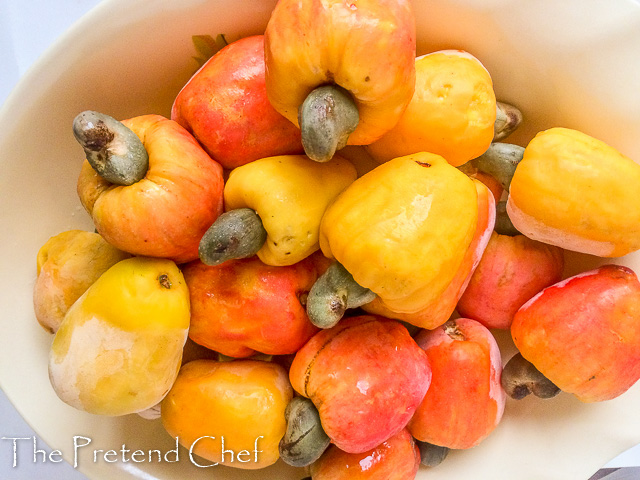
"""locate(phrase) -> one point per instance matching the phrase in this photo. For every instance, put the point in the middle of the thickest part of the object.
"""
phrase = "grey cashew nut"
(235, 234)
(520, 378)
(500, 161)
(327, 117)
(113, 150)
(508, 119)
(333, 293)
(431, 455)
(304, 440)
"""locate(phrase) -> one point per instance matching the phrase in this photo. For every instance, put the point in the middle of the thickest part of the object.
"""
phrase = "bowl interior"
(573, 65)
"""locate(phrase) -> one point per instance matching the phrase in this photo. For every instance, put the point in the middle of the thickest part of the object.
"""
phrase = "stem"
(503, 225)
(450, 327)
(508, 118)
(304, 440)
(520, 378)
(112, 149)
(333, 293)
(327, 117)
(500, 161)
(235, 234)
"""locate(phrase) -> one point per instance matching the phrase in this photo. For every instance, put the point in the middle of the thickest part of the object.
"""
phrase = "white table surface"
(27, 29)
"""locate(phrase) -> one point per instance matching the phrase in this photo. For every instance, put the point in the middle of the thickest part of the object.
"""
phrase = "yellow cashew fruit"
(577, 192)
(290, 193)
(452, 112)
(119, 347)
(240, 403)
(438, 310)
(68, 264)
(405, 231)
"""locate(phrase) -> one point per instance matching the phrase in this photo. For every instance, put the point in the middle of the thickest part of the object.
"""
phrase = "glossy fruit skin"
(244, 306)
(366, 376)
(397, 458)
(577, 192)
(367, 47)
(166, 213)
(67, 264)
(290, 194)
(439, 309)
(225, 107)
(583, 333)
(119, 347)
(404, 230)
(246, 400)
(511, 271)
(452, 112)
(465, 401)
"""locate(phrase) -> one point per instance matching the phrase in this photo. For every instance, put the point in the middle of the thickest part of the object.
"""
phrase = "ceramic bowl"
(574, 63)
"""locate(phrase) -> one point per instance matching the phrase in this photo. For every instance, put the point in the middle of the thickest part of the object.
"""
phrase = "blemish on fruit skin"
(452, 330)
(363, 386)
(164, 281)
(424, 164)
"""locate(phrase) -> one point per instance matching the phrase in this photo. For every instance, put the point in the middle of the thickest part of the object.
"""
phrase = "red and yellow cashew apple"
(342, 71)
(167, 211)
(245, 306)
(366, 376)
(512, 270)
(225, 106)
(583, 333)
(397, 458)
(465, 401)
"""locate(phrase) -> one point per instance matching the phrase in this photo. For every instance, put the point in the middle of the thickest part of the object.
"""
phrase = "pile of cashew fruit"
(248, 279)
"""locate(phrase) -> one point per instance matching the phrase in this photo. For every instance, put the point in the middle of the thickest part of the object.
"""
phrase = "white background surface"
(27, 29)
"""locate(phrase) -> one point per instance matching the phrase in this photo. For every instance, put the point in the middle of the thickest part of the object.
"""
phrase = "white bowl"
(574, 63)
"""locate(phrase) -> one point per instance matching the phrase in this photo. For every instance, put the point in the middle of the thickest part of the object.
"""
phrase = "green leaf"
(204, 44)
(206, 47)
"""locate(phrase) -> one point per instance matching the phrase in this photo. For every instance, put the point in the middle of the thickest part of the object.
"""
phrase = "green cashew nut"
(235, 234)
(508, 119)
(333, 293)
(304, 440)
(503, 225)
(500, 161)
(520, 378)
(327, 117)
(112, 149)
(431, 455)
